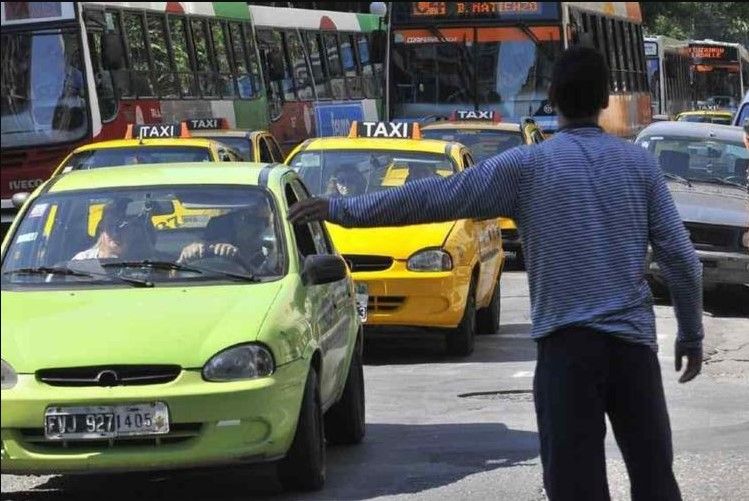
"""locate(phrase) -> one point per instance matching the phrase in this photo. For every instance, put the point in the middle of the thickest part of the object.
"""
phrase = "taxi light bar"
(207, 123)
(469, 115)
(389, 130)
(156, 131)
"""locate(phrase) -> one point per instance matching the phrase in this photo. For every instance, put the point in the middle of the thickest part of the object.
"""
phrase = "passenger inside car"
(347, 182)
(120, 236)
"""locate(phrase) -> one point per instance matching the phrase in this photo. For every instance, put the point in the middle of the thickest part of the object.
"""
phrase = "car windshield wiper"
(718, 180)
(55, 270)
(676, 177)
(169, 265)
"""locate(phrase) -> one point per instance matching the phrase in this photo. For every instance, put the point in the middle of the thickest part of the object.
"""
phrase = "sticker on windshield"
(310, 160)
(645, 144)
(38, 210)
(26, 237)
(656, 138)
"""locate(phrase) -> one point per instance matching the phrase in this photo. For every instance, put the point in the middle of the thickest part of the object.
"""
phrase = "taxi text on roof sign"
(156, 131)
(475, 115)
(393, 130)
(206, 123)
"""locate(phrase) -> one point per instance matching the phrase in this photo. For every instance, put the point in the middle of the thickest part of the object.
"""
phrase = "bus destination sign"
(476, 11)
(713, 53)
(36, 12)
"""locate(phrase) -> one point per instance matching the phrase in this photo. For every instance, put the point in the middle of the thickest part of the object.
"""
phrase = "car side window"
(265, 154)
(275, 149)
(302, 233)
(320, 237)
(467, 160)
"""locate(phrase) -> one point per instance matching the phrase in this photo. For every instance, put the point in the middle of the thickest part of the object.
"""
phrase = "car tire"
(460, 341)
(303, 468)
(487, 319)
(344, 421)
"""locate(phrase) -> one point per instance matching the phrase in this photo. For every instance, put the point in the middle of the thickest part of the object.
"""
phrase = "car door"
(275, 149)
(330, 305)
(489, 242)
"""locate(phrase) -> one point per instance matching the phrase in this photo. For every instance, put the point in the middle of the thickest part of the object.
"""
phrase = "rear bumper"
(398, 297)
(210, 424)
(718, 268)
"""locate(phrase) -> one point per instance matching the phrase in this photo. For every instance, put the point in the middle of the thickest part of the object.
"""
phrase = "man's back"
(582, 210)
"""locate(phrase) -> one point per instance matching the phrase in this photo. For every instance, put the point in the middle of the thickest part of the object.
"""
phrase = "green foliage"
(724, 21)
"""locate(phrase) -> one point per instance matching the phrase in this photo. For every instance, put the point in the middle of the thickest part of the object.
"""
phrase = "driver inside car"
(346, 182)
(236, 236)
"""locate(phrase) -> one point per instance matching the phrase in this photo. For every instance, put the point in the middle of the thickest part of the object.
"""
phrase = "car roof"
(695, 130)
(127, 143)
(365, 143)
(197, 173)
(225, 133)
(473, 125)
(707, 112)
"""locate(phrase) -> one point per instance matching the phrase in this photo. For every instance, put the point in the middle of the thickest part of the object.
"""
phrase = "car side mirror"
(19, 199)
(323, 269)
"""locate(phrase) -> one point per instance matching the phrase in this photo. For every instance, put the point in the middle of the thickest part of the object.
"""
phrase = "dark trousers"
(582, 375)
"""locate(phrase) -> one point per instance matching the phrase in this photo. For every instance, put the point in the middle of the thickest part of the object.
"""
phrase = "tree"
(723, 21)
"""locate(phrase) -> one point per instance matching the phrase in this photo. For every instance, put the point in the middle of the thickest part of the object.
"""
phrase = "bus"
(669, 75)
(499, 56)
(721, 73)
(79, 72)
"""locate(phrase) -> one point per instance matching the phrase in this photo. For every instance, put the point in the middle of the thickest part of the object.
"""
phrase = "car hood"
(397, 242)
(711, 204)
(162, 325)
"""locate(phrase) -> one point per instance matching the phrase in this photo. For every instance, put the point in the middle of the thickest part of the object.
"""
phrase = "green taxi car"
(230, 337)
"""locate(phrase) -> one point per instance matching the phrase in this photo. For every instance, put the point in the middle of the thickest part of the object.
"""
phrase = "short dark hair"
(746, 126)
(580, 83)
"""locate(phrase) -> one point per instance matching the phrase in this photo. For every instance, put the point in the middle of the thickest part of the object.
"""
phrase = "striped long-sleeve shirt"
(587, 205)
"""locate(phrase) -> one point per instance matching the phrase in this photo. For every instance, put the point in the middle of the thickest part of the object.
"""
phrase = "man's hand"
(227, 251)
(694, 361)
(311, 209)
(192, 252)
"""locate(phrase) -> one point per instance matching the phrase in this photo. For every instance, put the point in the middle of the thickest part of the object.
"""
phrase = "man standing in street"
(588, 205)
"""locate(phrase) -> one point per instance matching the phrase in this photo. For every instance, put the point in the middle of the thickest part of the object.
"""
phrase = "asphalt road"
(440, 428)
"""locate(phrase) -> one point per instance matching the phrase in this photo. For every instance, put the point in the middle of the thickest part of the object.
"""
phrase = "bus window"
(203, 58)
(181, 53)
(249, 46)
(140, 71)
(280, 87)
(350, 68)
(368, 75)
(318, 65)
(335, 69)
(302, 81)
(106, 79)
(164, 82)
(241, 73)
(223, 65)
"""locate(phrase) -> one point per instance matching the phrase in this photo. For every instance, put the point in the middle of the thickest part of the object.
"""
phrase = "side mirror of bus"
(18, 199)
(112, 52)
(378, 47)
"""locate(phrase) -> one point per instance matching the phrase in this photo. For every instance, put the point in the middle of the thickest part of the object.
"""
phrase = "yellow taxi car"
(444, 275)
(252, 145)
(148, 144)
(486, 135)
(722, 117)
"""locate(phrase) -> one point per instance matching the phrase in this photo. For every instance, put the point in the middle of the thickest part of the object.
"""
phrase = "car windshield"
(43, 92)
(700, 160)
(354, 172)
(109, 157)
(146, 236)
(241, 145)
(483, 143)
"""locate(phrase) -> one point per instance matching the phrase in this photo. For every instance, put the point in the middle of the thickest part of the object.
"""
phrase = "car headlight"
(430, 260)
(9, 376)
(246, 361)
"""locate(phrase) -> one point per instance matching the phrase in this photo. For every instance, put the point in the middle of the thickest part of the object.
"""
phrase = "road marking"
(523, 374)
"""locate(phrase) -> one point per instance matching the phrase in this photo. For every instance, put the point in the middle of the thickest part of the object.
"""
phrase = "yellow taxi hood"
(397, 242)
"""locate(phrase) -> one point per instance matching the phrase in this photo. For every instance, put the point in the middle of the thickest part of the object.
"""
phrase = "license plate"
(89, 423)
(362, 299)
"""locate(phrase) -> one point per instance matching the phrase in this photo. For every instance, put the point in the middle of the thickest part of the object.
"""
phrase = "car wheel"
(460, 340)
(344, 421)
(487, 319)
(303, 468)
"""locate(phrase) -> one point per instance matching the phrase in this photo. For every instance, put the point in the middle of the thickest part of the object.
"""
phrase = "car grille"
(714, 237)
(178, 432)
(358, 262)
(385, 304)
(110, 375)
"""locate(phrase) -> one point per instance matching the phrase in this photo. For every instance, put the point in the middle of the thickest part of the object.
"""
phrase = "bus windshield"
(43, 89)
(506, 69)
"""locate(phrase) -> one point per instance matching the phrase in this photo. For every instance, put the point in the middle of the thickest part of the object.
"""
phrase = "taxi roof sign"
(388, 130)
(156, 131)
(465, 115)
(207, 123)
